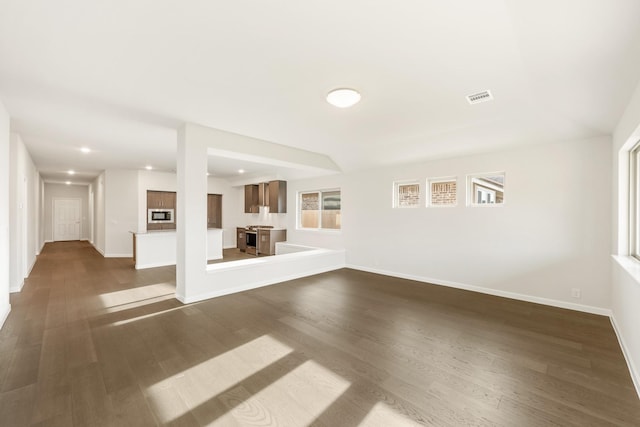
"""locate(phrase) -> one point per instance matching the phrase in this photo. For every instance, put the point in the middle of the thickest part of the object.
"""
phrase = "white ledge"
(630, 265)
(236, 276)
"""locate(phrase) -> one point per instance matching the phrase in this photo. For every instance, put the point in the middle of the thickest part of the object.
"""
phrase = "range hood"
(263, 194)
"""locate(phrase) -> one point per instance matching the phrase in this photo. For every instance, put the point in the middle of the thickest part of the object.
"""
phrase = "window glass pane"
(407, 195)
(331, 209)
(443, 192)
(320, 210)
(487, 189)
(309, 210)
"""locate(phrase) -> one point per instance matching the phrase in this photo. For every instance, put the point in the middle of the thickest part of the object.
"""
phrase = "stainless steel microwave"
(162, 216)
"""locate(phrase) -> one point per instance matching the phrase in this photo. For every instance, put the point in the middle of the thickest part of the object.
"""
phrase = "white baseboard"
(4, 313)
(495, 292)
(633, 371)
(118, 255)
(153, 265)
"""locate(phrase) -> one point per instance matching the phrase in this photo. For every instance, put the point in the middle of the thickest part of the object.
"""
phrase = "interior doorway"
(67, 215)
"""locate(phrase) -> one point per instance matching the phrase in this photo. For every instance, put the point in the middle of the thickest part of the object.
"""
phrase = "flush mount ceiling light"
(85, 150)
(343, 97)
(148, 167)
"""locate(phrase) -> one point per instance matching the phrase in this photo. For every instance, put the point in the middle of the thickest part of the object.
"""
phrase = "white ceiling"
(121, 76)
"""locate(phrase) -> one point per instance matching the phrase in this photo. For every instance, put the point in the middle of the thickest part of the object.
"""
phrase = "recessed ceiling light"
(208, 174)
(68, 182)
(148, 167)
(71, 172)
(85, 150)
(240, 170)
(343, 97)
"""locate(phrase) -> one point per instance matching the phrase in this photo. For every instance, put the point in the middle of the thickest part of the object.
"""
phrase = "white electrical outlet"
(575, 292)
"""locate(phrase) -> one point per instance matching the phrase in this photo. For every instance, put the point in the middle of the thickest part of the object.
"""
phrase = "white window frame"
(431, 181)
(471, 179)
(396, 194)
(319, 227)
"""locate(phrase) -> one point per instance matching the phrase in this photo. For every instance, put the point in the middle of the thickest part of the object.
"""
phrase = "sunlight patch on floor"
(204, 381)
(384, 415)
(145, 316)
(134, 297)
(297, 398)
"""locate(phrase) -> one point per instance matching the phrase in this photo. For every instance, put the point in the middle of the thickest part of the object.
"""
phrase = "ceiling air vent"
(479, 97)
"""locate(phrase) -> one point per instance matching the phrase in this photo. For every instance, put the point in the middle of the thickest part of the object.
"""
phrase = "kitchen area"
(262, 205)
(270, 198)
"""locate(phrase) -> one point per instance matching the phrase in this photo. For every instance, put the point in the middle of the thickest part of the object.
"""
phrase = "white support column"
(191, 214)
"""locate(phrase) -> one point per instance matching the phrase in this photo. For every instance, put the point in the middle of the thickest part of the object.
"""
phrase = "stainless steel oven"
(160, 216)
(252, 242)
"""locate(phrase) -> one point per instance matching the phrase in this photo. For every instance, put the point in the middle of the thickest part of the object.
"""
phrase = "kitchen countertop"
(262, 228)
(165, 231)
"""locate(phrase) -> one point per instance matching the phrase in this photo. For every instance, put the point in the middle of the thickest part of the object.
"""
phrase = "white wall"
(231, 215)
(551, 235)
(625, 296)
(5, 307)
(61, 191)
(121, 211)
(97, 186)
(23, 215)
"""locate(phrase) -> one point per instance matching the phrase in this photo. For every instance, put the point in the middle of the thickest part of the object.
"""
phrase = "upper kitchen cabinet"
(272, 194)
(278, 197)
(214, 210)
(251, 202)
(161, 200)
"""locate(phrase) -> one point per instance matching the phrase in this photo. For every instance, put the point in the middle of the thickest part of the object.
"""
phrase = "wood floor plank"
(53, 357)
(131, 409)
(53, 403)
(23, 368)
(16, 406)
(91, 404)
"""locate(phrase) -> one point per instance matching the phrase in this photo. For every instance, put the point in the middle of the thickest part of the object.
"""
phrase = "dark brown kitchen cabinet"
(251, 203)
(267, 240)
(277, 197)
(162, 200)
(214, 210)
(241, 237)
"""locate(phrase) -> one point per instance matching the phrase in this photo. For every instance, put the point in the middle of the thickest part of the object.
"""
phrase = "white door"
(66, 219)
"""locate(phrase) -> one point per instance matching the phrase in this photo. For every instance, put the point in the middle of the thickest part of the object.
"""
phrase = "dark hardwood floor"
(93, 342)
(233, 254)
